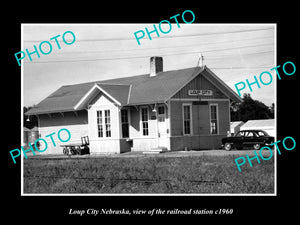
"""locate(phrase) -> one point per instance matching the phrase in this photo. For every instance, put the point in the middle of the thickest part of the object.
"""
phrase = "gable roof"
(134, 90)
(116, 92)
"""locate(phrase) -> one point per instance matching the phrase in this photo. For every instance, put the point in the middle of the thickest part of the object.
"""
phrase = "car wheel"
(227, 146)
(256, 146)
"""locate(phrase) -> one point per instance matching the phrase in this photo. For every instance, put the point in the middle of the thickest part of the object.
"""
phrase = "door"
(239, 139)
(162, 126)
(249, 138)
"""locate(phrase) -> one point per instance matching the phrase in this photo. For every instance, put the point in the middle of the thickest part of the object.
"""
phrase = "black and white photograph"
(149, 111)
(175, 113)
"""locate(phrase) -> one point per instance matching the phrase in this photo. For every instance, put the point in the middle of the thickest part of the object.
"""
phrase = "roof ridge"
(129, 93)
(117, 78)
(112, 84)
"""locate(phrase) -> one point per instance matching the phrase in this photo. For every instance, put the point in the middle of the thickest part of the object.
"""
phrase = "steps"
(155, 150)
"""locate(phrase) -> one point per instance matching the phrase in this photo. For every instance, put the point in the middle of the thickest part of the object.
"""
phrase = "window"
(144, 115)
(107, 123)
(106, 129)
(214, 119)
(161, 114)
(187, 120)
(125, 123)
(99, 124)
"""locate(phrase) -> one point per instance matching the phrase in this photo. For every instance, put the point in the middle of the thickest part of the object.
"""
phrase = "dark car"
(247, 138)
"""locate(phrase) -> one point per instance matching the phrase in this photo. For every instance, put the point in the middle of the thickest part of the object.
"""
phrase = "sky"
(234, 52)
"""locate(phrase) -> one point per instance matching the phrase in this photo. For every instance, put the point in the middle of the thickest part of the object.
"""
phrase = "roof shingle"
(134, 90)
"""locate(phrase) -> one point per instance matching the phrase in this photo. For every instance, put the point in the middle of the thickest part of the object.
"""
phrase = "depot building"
(164, 110)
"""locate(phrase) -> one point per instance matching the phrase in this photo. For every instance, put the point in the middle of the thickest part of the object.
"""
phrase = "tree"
(250, 109)
(32, 122)
(272, 110)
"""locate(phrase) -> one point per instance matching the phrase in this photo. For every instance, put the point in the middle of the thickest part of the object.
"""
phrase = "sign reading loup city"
(200, 92)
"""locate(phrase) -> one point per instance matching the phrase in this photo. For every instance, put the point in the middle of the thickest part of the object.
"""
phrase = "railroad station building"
(163, 110)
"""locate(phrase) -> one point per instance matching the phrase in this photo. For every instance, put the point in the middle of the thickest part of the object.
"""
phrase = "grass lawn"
(147, 174)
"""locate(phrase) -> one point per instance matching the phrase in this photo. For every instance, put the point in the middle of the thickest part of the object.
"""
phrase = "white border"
(22, 113)
(154, 194)
(275, 109)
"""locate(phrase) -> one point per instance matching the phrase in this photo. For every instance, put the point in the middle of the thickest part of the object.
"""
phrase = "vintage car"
(247, 138)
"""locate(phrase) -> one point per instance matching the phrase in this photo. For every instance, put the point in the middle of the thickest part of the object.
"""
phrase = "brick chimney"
(156, 65)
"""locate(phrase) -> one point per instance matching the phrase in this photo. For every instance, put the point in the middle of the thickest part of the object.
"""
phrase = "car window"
(255, 134)
(261, 134)
(240, 134)
(249, 134)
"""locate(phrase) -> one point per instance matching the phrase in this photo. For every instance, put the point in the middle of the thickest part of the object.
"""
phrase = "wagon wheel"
(73, 150)
(65, 151)
(77, 150)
